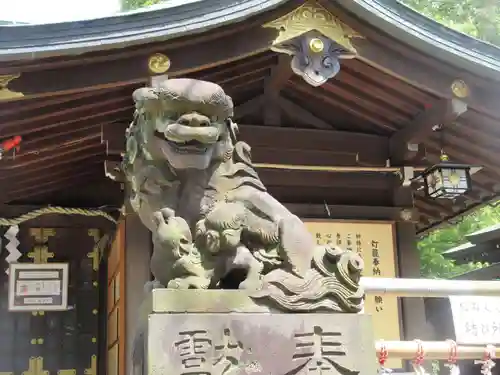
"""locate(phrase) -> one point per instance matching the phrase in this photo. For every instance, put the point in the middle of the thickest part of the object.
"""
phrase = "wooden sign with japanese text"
(374, 241)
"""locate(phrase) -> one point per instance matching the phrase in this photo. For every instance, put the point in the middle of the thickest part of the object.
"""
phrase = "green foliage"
(137, 4)
(478, 18)
(431, 247)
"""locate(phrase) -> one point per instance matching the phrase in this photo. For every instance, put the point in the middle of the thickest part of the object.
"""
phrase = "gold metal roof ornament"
(460, 89)
(5, 93)
(312, 16)
(159, 63)
(316, 39)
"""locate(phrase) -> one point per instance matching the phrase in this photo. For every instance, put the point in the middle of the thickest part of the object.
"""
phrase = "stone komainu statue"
(213, 223)
(193, 185)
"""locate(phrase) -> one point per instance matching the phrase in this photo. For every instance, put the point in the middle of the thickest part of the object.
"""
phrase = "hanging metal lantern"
(447, 180)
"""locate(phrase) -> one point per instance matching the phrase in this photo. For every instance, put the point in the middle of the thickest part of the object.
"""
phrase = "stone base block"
(237, 343)
(201, 301)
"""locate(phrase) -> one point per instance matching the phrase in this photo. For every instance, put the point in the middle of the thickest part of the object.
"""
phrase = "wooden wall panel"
(113, 359)
(116, 304)
(113, 326)
(52, 342)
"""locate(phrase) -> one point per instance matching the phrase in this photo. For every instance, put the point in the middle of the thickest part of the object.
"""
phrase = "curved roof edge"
(196, 16)
(66, 38)
(421, 32)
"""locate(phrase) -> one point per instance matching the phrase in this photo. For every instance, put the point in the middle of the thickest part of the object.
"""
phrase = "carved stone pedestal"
(221, 332)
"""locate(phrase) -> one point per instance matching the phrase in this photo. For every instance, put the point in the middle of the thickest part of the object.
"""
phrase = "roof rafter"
(276, 177)
(33, 180)
(298, 146)
(85, 156)
(134, 69)
(280, 74)
(92, 142)
(344, 105)
(443, 113)
(48, 186)
(109, 113)
(249, 107)
(13, 108)
(55, 115)
(295, 110)
(408, 64)
(71, 136)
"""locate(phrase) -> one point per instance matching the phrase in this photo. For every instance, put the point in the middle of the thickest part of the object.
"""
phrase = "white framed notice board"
(34, 287)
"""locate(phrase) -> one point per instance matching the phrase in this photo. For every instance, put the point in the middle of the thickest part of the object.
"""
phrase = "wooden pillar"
(413, 309)
(138, 253)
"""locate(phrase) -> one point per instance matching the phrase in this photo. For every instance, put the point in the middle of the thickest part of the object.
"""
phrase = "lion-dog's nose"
(193, 119)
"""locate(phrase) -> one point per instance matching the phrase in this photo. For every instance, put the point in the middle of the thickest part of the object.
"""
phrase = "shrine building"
(345, 103)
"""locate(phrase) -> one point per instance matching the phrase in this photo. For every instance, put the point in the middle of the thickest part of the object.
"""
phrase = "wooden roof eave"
(429, 36)
(126, 68)
(185, 18)
(19, 42)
